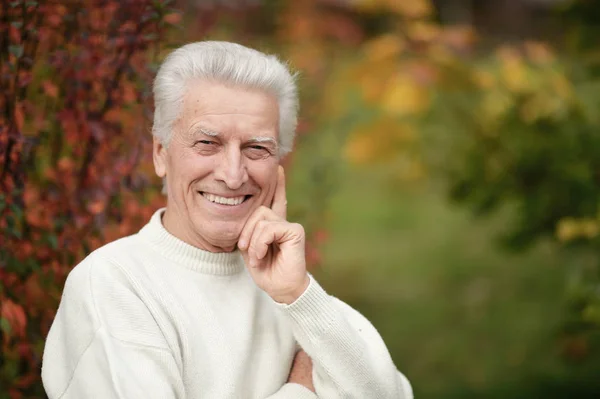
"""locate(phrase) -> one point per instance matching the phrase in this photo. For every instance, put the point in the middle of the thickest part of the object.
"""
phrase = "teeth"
(223, 200)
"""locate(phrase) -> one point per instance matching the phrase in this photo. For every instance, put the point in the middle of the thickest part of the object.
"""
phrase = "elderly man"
(211, 299)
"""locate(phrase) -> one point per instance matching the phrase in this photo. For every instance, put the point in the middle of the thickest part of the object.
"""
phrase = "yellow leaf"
(566, 229)
(484, 79)
(494, 106)
(368, 5)
(404, 96)
(404, 133)
(541, 106)
(441, 54)
(412, 8)
(562, 86)
(373, 85)
(589, 228)
(513, 70)
(381, 140)
(423, 31)
(383, 48)
(570, 228)
(360, 149)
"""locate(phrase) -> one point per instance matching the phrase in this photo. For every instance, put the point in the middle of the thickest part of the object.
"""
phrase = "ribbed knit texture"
(150, 316)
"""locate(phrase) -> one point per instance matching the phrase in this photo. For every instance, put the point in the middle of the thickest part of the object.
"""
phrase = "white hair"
(228, 63)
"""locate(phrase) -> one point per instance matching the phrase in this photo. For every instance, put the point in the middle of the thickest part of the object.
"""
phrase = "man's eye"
(205, 142)
(258, 152)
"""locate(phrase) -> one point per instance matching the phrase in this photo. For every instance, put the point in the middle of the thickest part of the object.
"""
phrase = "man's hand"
(274, 249)
(301, 372)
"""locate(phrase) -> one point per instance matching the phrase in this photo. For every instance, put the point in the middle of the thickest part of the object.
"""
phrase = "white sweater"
(150, 316)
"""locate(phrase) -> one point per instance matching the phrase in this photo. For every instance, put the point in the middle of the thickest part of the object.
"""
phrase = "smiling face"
(220, 164)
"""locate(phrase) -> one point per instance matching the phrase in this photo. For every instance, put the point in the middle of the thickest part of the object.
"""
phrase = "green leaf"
(17, 51)
(17, 211)
(16, 232)
(17, 24)
(53, 241)
(5, 325)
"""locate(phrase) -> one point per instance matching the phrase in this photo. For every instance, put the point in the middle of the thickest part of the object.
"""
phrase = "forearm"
(349, 357)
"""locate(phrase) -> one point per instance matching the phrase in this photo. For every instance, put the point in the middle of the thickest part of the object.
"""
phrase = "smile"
(231, 201)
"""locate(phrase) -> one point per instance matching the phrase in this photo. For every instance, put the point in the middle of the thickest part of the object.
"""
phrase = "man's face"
(221, 163)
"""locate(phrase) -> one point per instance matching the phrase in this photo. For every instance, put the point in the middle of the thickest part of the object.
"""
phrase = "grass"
(461, 317)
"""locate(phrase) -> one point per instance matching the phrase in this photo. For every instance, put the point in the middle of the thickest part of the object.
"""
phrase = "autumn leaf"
(404, 96)
(383, 48)
(412, 8)
(14, 316)
(65, 164)
(96, 207)
(173, 18)
(539, 53)
(34, 293)
(129, 93)
(461, 38)
(360, 149)
(19, 116)
(50, 89)
(569, 229)
(423, 31)
(513, 70)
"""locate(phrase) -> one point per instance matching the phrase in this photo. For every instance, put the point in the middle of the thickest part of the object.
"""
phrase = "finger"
(266, 234)
(279, 204)
(262, 213)
(253, 246)
(279, 233)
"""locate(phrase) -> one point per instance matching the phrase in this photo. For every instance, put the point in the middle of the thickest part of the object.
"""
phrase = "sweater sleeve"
(104, 342)
(293, 391)
(350, 359)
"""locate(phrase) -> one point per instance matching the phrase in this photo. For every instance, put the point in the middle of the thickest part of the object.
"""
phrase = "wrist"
(291, 296)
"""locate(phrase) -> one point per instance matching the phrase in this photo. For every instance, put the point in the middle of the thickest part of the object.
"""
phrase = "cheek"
(187, 168)
(266, 178)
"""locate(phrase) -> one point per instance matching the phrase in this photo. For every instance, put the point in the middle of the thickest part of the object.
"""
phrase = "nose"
(232, 169)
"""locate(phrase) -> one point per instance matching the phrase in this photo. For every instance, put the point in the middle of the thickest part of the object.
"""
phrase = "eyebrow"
(261, 139)
(257, 139)
(207, 132)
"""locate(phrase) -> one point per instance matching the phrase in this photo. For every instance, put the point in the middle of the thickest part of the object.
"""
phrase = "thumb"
(279, 204)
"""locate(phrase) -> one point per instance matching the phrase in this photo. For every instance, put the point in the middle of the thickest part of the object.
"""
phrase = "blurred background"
(447, 170)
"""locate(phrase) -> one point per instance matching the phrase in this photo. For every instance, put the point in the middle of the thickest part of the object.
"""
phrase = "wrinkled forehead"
(202, 96)
(214, 109)
(206, 93)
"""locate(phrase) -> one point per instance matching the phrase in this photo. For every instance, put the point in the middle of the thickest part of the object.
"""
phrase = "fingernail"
(242, 244)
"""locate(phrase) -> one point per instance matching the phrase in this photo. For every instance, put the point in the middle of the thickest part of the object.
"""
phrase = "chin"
(225, 237)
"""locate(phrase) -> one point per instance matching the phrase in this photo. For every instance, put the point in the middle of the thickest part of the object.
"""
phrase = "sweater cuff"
(314, 311)
(292, 390)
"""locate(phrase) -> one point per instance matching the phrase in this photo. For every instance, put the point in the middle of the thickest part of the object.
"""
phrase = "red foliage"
(74, 143)
(74, 80)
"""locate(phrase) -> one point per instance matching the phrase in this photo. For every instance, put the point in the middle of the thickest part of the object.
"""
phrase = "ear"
(159, 157)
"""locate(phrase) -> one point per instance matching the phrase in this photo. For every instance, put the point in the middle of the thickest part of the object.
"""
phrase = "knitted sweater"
(150, 316)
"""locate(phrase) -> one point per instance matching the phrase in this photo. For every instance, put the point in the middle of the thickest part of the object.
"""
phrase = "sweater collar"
(216, 263)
